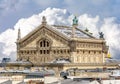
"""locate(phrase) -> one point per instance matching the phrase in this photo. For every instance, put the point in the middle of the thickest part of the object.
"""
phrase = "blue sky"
(101, 13)
(12, 10)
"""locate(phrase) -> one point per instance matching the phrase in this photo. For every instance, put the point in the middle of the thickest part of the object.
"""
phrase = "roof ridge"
(61, 26)
(85, 33)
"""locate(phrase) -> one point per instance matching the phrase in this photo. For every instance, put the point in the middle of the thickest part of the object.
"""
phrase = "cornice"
(46, 27)
(91, 40)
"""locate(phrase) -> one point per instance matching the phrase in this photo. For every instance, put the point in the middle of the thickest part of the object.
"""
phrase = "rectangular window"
(44, 52)
(40, 51)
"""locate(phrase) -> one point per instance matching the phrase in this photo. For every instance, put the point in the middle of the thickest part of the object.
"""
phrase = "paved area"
(69, 81)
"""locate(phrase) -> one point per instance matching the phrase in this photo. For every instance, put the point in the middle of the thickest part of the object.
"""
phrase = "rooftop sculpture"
(75, 21)
(101, 35)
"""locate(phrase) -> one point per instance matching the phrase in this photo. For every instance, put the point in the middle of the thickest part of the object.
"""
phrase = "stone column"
(73, 57)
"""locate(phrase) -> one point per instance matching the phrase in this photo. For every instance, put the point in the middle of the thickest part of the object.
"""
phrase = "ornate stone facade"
(48, 43)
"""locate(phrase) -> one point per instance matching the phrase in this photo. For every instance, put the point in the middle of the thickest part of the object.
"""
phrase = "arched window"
(44, 46)
(47, 44)
(44, 43)
(40, 44)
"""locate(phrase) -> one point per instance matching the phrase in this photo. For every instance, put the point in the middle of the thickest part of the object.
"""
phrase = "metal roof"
(67, 31)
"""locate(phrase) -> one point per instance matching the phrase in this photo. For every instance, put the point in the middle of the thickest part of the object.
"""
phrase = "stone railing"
(91, 74)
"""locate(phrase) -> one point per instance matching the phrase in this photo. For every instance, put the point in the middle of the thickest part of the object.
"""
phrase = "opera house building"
(60, 48)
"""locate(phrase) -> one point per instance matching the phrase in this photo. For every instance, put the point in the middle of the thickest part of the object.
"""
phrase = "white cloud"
(90, 22)
(112, 34)
(8, 38)
(54, 16)
(9, 6)
(59, 16)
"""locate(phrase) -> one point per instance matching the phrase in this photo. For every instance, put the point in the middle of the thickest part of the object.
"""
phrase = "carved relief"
(45, 45)
(72, 45)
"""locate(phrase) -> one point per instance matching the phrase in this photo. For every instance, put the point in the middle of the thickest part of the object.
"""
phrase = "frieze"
(57, 37)
(72, 45)
(30, 39)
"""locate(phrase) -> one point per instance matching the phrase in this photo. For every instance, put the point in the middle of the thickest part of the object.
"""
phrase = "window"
(44, 43)
(89, 52)
(44, 52)
(34, 52)
(44, 46)
(40, 44)
(21, 52)
(47, 51)
(57, 51)
(68, 51)
(47, 44)
(61, 51)
(40, 51)
(54, 52)
(83, 52)
(27, 52)
(94, 52)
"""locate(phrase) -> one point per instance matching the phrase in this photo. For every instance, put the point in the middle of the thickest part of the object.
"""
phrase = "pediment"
(43, 31)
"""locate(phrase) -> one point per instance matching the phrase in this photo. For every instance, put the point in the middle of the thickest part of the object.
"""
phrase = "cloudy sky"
(96, 15)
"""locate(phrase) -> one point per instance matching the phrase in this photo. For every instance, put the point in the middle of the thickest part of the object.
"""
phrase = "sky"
(96, 15)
